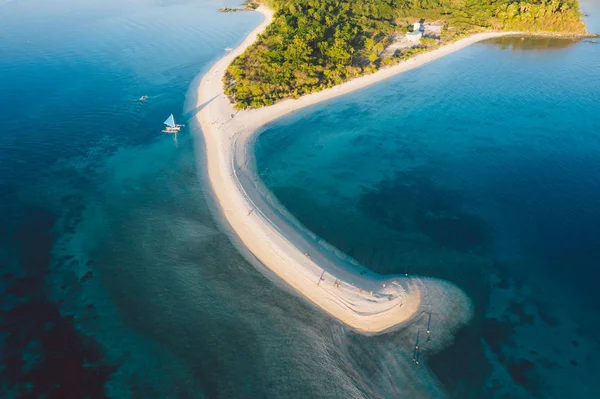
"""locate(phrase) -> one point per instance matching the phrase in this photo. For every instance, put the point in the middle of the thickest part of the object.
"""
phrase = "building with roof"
(417, 32)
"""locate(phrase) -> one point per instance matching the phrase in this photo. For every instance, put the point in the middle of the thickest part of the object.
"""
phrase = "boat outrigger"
(172, 127)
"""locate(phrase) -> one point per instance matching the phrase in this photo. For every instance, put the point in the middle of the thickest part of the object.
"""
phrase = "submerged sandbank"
(327, 278)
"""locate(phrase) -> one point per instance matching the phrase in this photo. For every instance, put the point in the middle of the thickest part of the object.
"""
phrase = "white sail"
(170, 121)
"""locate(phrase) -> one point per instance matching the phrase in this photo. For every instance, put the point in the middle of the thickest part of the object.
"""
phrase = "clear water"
(116, 282)
(482, 168)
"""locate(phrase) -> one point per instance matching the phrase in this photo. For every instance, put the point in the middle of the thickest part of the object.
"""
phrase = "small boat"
(143, 98)
(172, 127)
(228, 49)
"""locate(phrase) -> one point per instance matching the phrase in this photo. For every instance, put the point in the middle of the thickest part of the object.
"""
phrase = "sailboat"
(172, 127)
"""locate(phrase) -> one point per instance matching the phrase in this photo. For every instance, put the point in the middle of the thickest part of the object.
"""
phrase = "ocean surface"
(116, 281)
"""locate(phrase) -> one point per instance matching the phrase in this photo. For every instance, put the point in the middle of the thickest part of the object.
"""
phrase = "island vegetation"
(315, 44)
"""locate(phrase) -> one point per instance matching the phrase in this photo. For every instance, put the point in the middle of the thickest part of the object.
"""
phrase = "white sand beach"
(327, 278)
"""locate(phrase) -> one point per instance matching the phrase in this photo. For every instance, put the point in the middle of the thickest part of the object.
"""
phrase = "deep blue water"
(116, 282)
(482, 168)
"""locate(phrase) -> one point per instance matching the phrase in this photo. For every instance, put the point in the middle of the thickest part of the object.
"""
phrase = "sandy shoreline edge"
(330, 280)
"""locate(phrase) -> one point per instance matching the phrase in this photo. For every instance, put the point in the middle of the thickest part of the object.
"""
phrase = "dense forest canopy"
(315, 44)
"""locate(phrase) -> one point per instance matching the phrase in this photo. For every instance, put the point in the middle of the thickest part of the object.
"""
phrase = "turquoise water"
(116, 281)
(482, 168)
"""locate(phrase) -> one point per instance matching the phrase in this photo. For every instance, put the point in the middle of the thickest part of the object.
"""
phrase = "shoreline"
(319, 273)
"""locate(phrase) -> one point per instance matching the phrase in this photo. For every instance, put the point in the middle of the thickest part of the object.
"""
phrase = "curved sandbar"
(338, 285)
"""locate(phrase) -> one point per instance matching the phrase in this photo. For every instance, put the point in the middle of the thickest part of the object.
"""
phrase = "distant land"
(312, 45)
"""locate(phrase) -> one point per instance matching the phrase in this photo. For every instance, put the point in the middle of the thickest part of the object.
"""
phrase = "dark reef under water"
(44, 354)
(402, 204)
